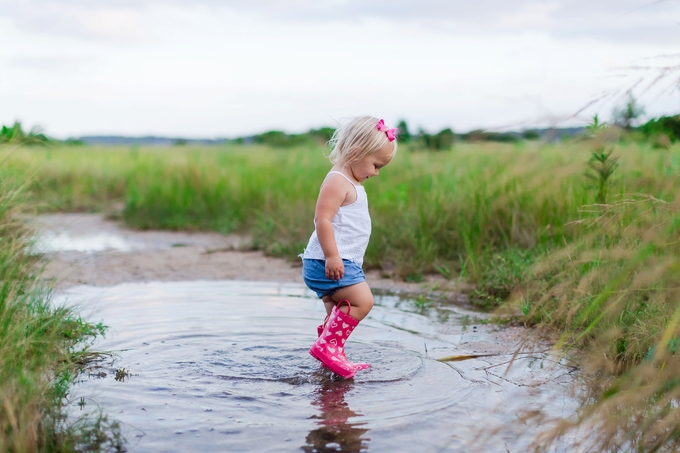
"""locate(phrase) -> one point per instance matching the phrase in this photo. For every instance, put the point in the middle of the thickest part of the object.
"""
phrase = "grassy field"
(516, 220)
(41, 346)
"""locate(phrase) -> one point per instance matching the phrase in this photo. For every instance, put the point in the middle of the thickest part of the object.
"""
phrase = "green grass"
(429, 210)
(509, 218)
(42, 348)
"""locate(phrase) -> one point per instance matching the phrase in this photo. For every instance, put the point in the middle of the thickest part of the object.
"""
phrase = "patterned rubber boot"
(329, 348)
(320, 328)
(357, 366)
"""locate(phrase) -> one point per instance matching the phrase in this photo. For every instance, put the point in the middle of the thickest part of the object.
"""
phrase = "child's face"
(371, 164)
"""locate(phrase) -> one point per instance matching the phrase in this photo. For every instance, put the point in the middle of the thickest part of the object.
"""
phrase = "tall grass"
(430, 210)
(516, 219)
(40, 349)
(614, 294)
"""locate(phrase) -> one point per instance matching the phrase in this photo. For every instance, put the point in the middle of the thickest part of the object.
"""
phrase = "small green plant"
(444, 270)
(421, 301)
(414, 278)
(601, 167)
(596, 126)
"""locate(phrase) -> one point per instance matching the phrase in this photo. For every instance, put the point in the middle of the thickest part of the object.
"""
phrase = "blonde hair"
(355, 139)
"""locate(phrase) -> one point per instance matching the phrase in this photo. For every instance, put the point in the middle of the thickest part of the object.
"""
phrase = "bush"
(16, 135)
(440, 141)
(665, 125)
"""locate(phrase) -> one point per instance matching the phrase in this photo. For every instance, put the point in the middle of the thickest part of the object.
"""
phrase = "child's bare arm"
(331, 196)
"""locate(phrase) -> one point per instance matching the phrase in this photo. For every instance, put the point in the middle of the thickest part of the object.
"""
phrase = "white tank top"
(352, 229)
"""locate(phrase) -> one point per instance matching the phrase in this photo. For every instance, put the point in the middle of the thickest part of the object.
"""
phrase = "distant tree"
(74, 142)
(404, 134)
(279, 139)
(440, 141)
(445, 138)
(503, 137)
(530, 135)
(625, 116)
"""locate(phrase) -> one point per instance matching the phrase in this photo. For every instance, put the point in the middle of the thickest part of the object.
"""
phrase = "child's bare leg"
(329, 303)
(360, 298)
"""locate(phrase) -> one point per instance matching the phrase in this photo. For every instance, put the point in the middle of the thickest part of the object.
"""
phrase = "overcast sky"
(208, 68)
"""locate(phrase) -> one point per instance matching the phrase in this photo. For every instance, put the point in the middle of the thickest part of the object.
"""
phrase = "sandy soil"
(88, 249)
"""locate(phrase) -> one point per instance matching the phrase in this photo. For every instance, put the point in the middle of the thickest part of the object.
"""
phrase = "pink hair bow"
(391, 133)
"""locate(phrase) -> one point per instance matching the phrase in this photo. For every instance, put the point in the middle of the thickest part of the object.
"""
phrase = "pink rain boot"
(319, 329)
(357, 366)
(329, 348)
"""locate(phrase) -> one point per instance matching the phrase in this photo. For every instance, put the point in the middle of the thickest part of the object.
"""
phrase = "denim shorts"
(314, 275)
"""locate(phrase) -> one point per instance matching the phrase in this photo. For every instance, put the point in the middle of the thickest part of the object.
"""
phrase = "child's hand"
(335, 269)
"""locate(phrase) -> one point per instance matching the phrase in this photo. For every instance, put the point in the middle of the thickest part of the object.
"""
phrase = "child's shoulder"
(337, 182)
(339, 177)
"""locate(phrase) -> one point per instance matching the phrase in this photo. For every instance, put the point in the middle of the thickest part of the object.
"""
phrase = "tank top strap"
(343, 175)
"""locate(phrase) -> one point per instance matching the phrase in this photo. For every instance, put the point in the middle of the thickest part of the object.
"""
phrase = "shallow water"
(223, 366)
(91, 233)
(63, 241)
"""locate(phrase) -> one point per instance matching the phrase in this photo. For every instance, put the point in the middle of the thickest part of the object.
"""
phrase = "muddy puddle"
(217, 366)
(208, 357)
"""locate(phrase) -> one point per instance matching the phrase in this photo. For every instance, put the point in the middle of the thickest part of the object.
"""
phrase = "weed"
(443, 270)
(122, 374)
(421, 301)
(602, 165)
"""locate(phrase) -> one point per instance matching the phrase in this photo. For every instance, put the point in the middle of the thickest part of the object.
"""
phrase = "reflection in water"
(334, 432)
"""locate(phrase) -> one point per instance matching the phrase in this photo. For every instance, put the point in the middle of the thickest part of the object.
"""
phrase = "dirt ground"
(89, 249)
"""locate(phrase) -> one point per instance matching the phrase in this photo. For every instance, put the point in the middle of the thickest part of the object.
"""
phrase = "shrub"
(440, 141)
(16, 135)
(664, 125)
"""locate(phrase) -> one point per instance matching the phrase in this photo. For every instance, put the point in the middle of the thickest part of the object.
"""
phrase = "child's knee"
(369, 302)
(365, 305)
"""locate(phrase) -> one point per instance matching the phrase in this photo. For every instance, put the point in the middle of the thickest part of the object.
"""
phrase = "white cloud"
(87, 20)
(209, 68)
(612, 20)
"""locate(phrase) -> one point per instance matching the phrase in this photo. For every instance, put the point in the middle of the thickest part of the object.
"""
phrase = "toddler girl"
(335, 252)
